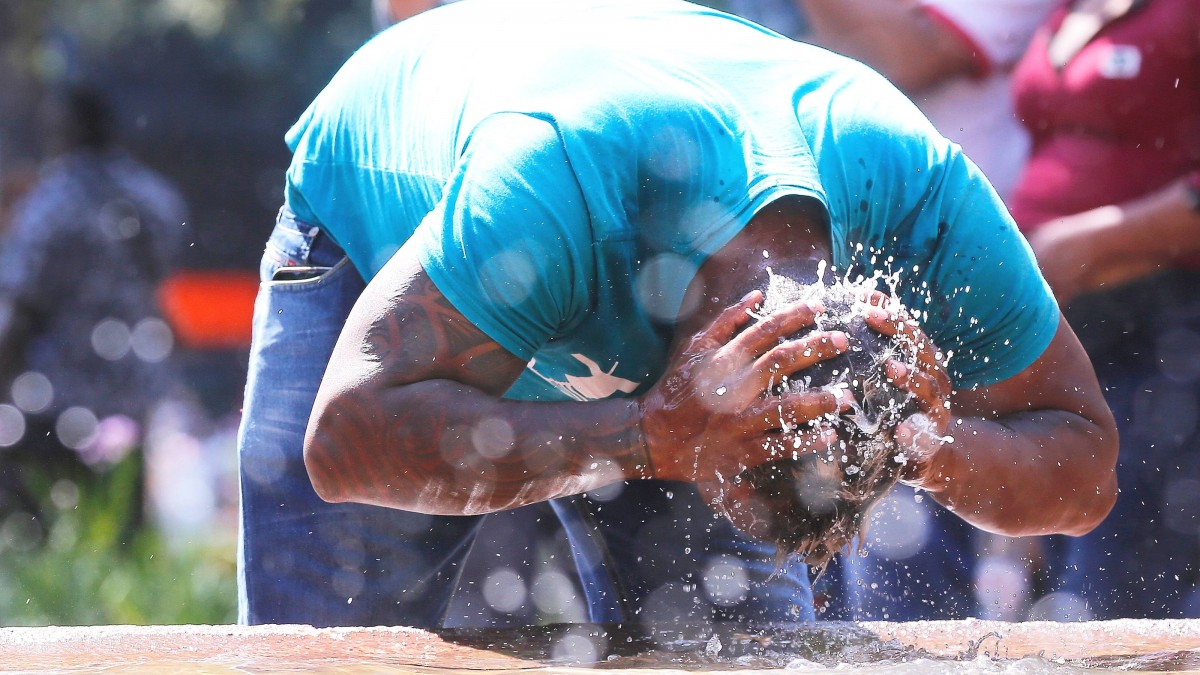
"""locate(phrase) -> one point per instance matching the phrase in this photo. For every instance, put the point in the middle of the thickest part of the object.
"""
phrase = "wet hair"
(818, 501)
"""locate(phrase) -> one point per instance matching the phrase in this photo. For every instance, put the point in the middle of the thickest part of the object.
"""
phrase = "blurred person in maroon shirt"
(1110, 91)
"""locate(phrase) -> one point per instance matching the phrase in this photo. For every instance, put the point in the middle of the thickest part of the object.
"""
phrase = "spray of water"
(818, 499)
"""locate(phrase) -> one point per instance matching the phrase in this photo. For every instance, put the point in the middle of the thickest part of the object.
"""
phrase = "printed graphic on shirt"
(597, 384)
(1120, 62)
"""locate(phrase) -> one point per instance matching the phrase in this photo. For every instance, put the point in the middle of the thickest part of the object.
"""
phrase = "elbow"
(1096, 509)
(1099, 503)
(322, 458)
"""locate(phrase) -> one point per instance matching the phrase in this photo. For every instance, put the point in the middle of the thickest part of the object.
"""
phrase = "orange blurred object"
(210, 309)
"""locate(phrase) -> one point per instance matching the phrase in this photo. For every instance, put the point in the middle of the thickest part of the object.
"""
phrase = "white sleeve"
(999, 29)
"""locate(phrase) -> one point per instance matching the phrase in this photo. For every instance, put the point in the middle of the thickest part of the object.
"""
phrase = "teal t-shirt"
(564, 168)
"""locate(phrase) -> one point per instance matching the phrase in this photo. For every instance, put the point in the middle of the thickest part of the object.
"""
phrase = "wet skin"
(410, 377)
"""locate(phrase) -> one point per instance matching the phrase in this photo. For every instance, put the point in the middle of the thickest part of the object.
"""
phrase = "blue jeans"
(918, 565)
(1142, 561)
(654, 552)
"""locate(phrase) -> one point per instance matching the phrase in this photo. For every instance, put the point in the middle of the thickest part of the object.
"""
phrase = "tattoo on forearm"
(441, 434)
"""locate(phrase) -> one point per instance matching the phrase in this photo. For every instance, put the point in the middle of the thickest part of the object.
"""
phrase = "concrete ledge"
(1114, 645)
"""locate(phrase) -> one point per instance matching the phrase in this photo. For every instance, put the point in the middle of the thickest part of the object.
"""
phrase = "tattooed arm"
(406, 414)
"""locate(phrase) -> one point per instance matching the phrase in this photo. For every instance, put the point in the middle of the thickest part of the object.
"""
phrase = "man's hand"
(712, 415)
(923, 433)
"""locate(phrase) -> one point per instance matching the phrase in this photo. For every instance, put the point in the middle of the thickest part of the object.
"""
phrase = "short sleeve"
(988, 303)
(999, 29)
(510, 243)
(911, 210)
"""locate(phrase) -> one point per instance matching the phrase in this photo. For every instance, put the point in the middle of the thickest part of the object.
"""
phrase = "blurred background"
(137, 260)
(201, 91)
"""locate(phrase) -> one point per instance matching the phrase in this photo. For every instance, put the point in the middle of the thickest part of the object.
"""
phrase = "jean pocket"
(288, 246)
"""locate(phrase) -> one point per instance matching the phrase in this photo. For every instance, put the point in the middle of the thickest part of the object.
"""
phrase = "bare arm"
(399, 420)
(1117, 244)
(409, 414)
(1034, 454)
(399, 10)
(895, 37)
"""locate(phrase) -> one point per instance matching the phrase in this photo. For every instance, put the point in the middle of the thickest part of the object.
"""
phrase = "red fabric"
(210, 309)
(1103, 131)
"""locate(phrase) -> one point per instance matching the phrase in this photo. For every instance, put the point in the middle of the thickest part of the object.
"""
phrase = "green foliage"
(94, 566)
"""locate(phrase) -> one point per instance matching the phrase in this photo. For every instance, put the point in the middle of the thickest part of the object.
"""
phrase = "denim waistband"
(310, 245)
(324, 251)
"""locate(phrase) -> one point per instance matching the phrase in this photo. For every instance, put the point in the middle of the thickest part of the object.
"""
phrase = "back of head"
(818, 501)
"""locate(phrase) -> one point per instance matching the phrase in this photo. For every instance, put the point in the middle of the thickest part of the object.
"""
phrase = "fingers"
(773, 445)
(795, 355)
(920, 444)
(925, 378)
(727, 323)
(789, 414)
(898, 324)
(765, 334)
(873, 297)
(931, 389)
(803, 407)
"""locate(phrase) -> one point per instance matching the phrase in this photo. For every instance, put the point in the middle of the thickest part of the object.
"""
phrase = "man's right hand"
(712, 414)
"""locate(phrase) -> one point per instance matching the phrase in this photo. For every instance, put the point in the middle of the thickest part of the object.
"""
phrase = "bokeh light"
(725, 581)
(657, 283)
(900, 525)
(1060, 606)
(266, 466)
(492, 437)
(508, 277)
(20, 532)
(1001, 587)
(152, 340)
(111, 339)
(12, 425)
(76, 427)
(1178, 352)
(32, 392)
(554, 595)
(579, 646)
(607, 493)
(505, 590)
(1181, 504)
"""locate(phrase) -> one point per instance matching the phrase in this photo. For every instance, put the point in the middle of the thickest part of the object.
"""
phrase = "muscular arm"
(895, 37)
(409, 413)
(1034, 454)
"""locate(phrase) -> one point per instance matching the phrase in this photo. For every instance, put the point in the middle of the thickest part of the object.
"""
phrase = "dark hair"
(818, 501)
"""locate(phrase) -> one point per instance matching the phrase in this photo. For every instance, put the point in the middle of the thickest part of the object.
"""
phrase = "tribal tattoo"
(426, 429)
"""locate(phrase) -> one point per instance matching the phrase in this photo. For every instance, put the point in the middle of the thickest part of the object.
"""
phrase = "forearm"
(1153, 230)
(1041, 472)
(441, 447)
